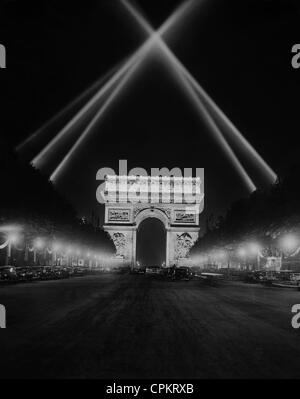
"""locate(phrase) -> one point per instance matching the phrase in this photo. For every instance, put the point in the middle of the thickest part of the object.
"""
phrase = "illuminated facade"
(177, 202)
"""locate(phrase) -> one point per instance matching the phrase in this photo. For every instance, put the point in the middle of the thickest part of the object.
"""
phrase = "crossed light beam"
(116, 78)
(81, 98)
(216, 113)
(181, 72)
(208, 110)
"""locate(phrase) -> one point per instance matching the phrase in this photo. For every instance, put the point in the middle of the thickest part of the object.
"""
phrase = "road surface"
(136, 326)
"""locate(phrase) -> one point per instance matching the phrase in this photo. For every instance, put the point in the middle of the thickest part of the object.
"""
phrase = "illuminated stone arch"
(123, 217)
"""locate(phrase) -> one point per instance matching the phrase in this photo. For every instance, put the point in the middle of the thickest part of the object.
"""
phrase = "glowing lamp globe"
(289, 242)
(13, 238)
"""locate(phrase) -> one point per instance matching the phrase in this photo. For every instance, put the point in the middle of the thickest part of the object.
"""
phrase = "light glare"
(289, 242)
(13, 238)
(39, 243)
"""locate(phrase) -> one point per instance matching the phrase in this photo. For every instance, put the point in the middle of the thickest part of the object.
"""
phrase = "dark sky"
(240, 51)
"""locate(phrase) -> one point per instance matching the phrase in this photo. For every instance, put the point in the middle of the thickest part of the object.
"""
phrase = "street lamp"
(12, 238)
(69, 250)
(69, 256)
(220, 256)
(38, 245)
(254, 250)
(78, 252)
(289, 242)
(55, 248)
(89, 261)
(242, 253)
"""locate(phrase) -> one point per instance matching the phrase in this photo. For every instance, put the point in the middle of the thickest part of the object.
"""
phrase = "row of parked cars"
(31, 273)
(281, 278)
(172, 273)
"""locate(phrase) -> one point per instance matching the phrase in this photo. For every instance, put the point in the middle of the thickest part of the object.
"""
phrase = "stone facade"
(179, 213)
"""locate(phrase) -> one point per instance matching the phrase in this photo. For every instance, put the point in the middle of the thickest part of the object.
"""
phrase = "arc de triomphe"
(176, 201)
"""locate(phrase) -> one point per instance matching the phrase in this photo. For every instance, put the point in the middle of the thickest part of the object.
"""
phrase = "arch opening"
(151, 243)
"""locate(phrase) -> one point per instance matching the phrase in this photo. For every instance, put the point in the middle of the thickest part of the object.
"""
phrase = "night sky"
(240, 52)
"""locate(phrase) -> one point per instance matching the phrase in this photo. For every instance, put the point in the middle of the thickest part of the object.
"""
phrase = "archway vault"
(152, 212)
(151, 246)
(162, 200)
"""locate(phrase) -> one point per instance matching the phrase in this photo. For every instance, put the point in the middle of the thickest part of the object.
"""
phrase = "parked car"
(37, 272)
(8, 273)
(66, 272)
(69, 270)
(153, 270)
(78, 271)
(141, 270)
(168, 271)
(138, 270)
(121, 269)
(24, 273)
(255, 277)
(47, 273)
(60, 272)
(182, 273)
